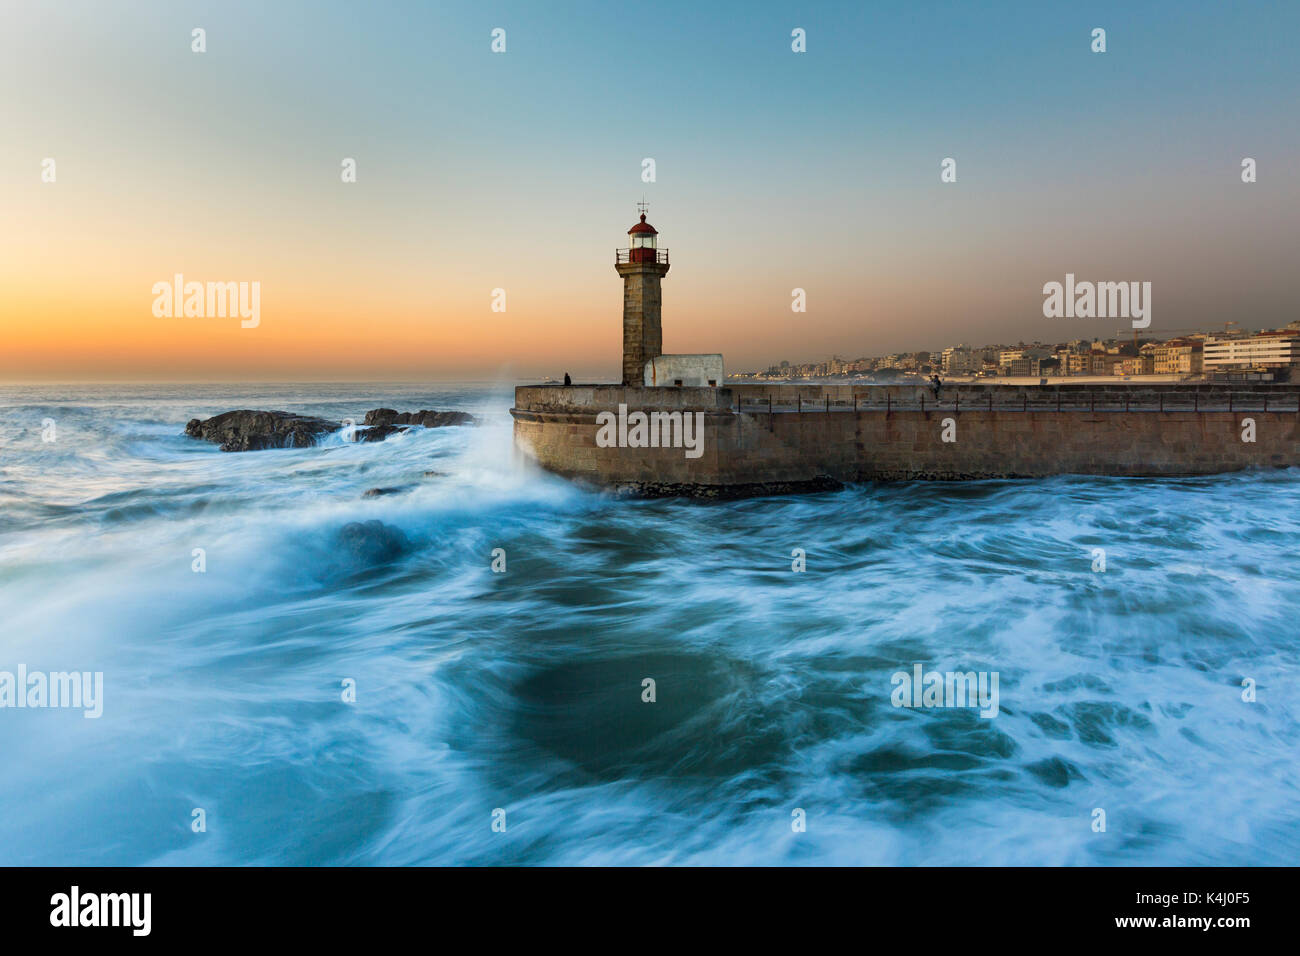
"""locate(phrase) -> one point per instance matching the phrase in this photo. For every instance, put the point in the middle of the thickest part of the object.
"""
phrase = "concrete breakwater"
(776, 438)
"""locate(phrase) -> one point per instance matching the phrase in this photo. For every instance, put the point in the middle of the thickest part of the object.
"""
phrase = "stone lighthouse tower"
(641, 265)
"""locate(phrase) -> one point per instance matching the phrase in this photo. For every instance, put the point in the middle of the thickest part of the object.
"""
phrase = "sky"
(521, 170)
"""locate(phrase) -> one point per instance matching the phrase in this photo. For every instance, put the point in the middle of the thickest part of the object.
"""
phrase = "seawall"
(776, 438)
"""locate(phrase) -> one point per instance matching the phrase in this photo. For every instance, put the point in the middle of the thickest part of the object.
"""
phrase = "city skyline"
(775, 170)
(1231, 332)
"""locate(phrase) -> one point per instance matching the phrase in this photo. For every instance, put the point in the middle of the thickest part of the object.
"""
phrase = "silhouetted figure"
(938, 386)
(567, 380)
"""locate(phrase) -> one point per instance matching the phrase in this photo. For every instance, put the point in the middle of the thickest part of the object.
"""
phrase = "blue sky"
(775, 170)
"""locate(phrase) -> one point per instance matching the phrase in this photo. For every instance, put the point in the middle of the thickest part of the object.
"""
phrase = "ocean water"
(521, 692)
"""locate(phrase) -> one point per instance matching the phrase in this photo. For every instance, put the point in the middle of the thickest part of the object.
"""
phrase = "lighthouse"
(642, 264)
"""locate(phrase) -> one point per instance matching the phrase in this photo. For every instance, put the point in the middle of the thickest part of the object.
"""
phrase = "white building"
(959, 360)
(684, 370)
(1276, 349)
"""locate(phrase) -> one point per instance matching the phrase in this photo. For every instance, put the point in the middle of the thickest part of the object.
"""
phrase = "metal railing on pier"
(1050, 400)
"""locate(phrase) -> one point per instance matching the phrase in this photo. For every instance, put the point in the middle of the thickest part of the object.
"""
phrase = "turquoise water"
(522, 691)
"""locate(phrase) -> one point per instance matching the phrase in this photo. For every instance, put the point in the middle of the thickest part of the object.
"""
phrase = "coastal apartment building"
(1076, 363)
(1095, 361)
(1177, 357)
(1076, 358)
(959, 360)
(1104, 363)
(1026, 361)
(1136, 365)
(1277, 349)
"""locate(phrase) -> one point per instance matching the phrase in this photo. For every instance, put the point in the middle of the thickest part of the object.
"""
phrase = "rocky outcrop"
(377, 432)
(380, 492)
(372, 542)
(247, 430)
(428, 419)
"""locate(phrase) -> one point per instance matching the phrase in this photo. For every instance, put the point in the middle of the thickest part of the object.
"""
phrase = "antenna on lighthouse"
(643, 206)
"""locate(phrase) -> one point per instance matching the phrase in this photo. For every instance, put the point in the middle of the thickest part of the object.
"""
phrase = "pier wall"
(814, 436)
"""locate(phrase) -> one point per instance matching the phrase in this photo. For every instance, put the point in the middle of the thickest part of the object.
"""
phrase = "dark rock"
(435, 474)
(425, 418)
(377, 432)
(442, 419)
(373, 542)
(377, 492)
(247, 430)
(651, 489)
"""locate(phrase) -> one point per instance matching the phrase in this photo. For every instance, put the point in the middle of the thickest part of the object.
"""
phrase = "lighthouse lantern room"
(642, 239)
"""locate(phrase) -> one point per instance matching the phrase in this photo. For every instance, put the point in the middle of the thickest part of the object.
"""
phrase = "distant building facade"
(960, 360)
(1280, 349)
(1178, 357)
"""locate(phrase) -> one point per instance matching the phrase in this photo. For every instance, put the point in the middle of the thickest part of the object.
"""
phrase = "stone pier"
(760, 439)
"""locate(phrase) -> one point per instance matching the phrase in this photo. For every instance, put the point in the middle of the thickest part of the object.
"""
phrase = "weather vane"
(643, 206)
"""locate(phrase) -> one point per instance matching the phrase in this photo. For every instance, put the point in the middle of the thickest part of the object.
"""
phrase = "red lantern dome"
(642, 240)
(643, 226)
